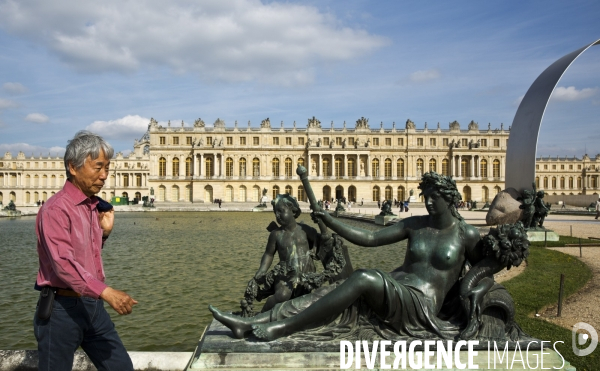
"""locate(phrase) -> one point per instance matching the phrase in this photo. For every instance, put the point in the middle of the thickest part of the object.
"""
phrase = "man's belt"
(67, 292)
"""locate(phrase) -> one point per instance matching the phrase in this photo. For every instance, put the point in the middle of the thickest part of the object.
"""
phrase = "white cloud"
(225, 40)
(30, 150)
(38, 118)
(5, 103)
(424, 76)
(128, 127)
(14, 88)
(572, 94)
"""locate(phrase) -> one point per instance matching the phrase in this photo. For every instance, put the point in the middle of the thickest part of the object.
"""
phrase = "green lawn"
(538, 287)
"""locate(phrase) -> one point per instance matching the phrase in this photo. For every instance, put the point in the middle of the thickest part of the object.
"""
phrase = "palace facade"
(201, 163)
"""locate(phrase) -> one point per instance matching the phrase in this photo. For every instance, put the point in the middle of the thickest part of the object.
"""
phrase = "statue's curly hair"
(289, 201)
(446, 186)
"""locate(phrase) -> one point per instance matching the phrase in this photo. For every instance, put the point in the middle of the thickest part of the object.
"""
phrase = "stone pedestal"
(542, 235)
(218, 350)
(384, 220)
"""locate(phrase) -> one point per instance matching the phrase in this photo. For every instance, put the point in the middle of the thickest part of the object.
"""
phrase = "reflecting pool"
(173, 263)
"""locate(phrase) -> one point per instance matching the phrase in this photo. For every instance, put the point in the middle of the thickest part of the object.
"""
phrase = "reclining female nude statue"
(423, 298)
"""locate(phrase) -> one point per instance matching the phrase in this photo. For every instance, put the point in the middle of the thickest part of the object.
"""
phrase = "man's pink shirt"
(69, 243)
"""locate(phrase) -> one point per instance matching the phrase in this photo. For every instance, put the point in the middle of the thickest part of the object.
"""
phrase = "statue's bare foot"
(268, 331)
(238, 325)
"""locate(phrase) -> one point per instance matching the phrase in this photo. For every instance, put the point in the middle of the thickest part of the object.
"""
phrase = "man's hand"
(107, 220)
(120, 301)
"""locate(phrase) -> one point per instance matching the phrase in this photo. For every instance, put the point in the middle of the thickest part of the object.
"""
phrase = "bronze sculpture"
(423, 298)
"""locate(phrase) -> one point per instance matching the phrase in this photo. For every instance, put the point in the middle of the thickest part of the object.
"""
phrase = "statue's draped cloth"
(409, 314)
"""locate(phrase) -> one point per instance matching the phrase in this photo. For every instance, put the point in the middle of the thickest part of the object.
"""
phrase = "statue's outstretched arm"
(357, 236)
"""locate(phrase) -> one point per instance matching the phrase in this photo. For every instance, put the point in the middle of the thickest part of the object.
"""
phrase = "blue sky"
(110, 66)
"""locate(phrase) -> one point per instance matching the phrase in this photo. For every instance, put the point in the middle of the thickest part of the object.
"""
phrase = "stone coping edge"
(25, 360)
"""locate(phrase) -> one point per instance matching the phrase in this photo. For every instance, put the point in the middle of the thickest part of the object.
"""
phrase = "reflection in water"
(174, 264)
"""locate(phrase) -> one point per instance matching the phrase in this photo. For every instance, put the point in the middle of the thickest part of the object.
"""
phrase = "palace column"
(459, 172)
(202, 165)
(320, 167)
(472, 175)
(452, 165)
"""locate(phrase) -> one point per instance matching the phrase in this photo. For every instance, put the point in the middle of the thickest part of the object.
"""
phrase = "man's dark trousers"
(79, 322)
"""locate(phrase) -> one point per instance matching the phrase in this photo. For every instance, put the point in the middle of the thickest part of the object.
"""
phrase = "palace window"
(496, 142)
(545, 167)
(188, 140)
(388, 142)
(553, 167)
(301, 195)
(562, 182)
(375, 141)
(464, 142)
(301, 161)
(338, 141)
(400, 141)
(229, 141)
(125, 180)
(275, 166)
(445, 142)
(138, 180)
(432, 142)
(496, 168)
(578, 167)
(445, 167)
(208, 164)
(175, 140)
(209, 140)
(339, 167)
(242, 166)
(484, 142)
(255, 141)
(554, 182)
(419, 167)
(571, 182)
(433, 165)
(545, 182)
(175, 166)
(351, 167)
(188, 166)
(275, 141)
(229, 167)
(275, 191)
(464, 167)
(537, 167)
(570, 167)
(326, 141)
(400, 167)
(243, 141)
(562, 167)
(375, 167)
(326, 167)
(288, 167)
(162, 140)
(162, 167)
(419, 142)
(288, 141)
(301, 141)
(288, 190)
(483, 168)
(351, 141)
(387, 168)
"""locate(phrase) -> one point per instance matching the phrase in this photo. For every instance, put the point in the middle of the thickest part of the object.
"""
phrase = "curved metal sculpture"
(522, 144)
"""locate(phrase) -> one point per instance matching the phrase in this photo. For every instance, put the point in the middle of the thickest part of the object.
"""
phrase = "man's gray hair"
(84, 144)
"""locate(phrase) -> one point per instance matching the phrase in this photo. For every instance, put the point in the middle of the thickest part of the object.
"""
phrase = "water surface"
(173, 263)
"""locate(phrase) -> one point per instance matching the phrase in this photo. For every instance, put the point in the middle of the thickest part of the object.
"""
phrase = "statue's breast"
(440, 249)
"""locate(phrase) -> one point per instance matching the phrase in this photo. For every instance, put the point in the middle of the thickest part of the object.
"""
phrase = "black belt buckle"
(46, 302)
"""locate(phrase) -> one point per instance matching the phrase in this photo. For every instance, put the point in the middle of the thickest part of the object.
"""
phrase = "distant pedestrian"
(362, 200)
(564, 206)
(597, 209)
(349, 205)
(379, 204)
(219, 203)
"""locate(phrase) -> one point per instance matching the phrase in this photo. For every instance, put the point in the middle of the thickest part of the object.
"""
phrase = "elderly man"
(71, 230)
